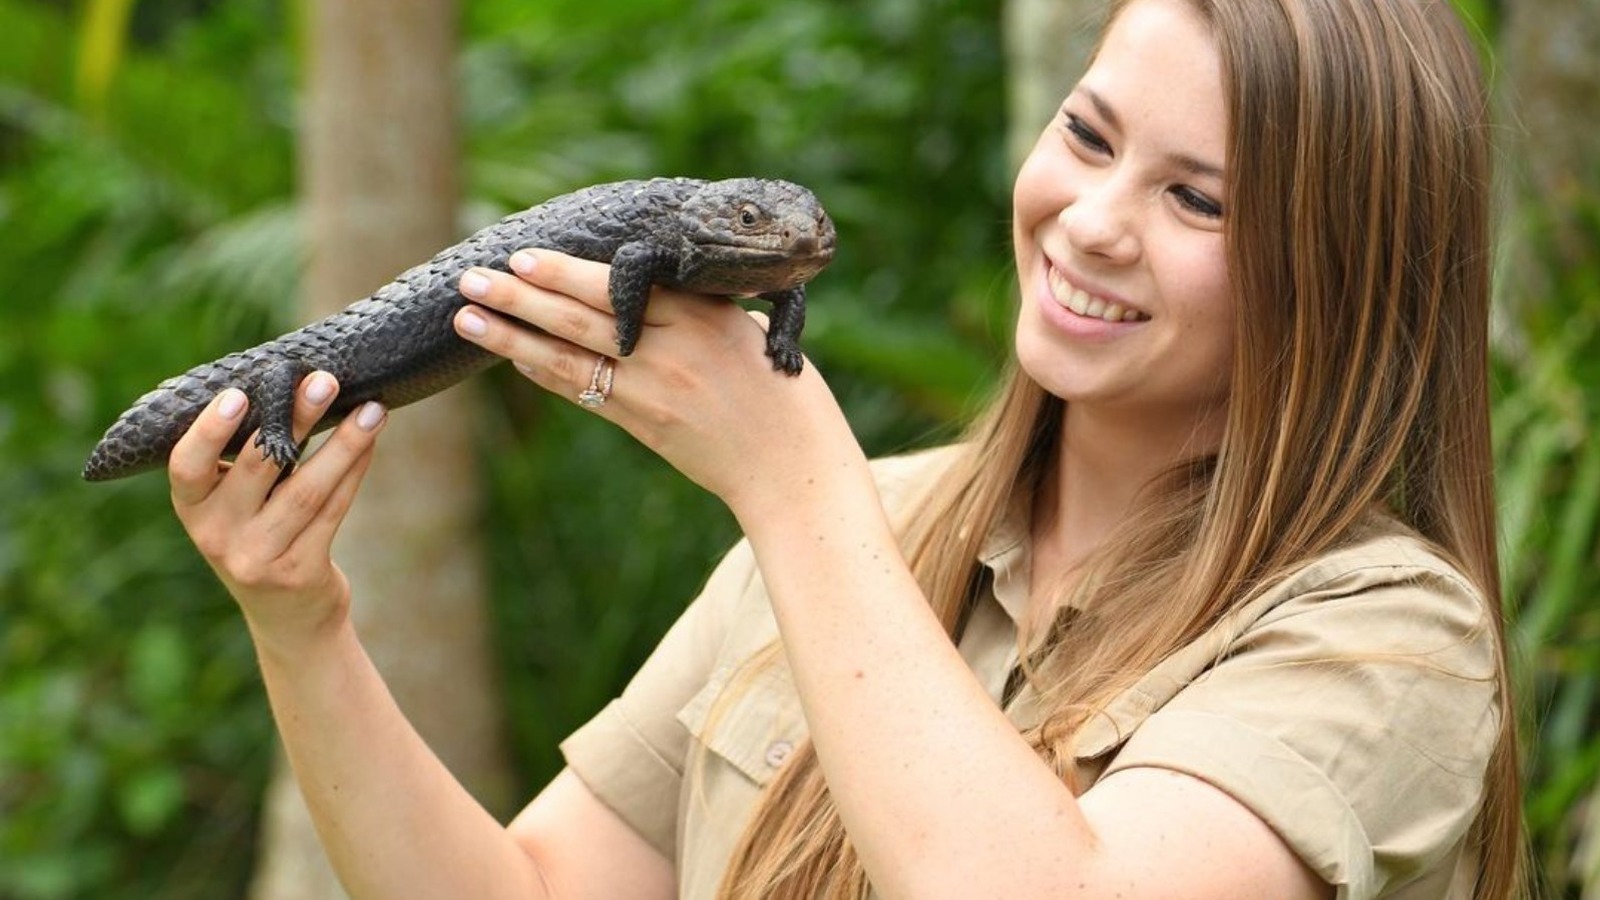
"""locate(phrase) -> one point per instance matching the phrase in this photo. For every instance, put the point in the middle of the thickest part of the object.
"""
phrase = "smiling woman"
(1203, 605)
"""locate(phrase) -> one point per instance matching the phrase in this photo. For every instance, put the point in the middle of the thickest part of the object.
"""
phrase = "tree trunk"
(1549, 91)
(379, 161)
(1047, 45)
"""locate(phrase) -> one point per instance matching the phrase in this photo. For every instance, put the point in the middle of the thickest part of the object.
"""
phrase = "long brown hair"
(1358, 246)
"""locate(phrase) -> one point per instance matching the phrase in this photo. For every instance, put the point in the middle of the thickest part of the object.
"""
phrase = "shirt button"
(778, 752)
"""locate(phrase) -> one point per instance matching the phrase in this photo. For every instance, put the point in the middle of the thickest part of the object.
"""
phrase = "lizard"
(740, 237)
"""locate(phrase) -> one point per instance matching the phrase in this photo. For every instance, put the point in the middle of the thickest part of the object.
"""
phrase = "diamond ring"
(599, 389)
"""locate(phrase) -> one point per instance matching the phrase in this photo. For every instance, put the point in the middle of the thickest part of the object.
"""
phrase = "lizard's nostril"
(804, 245)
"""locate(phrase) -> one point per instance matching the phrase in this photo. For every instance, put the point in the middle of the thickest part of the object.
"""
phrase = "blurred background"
(182, 178)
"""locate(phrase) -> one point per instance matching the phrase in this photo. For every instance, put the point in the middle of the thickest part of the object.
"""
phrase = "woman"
(1234, 503)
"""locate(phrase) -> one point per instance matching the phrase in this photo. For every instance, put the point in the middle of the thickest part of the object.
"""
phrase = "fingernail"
(471, 323)
(231, 403)
(474, 284)
(369, 416)
(522, 262)
(523, 367)
(320, 389)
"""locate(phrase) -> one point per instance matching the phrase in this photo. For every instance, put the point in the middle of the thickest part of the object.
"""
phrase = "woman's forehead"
(1158, 74)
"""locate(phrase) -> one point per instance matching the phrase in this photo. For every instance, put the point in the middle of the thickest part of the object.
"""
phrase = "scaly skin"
(736, 237)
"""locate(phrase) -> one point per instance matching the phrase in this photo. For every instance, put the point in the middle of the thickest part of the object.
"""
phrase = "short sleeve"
(1356, 720)
(632, 753)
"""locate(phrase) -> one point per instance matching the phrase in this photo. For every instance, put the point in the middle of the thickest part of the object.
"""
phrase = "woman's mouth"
(1086, 304)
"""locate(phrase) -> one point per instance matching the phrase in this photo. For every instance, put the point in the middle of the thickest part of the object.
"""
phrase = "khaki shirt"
(1370, 769)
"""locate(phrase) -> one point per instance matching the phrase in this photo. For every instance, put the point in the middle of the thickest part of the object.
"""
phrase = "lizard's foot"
(786, 358)
(278, 445)
(274, 397)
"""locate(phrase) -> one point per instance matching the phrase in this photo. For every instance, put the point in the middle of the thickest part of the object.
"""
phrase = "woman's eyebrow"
(1184, 161)
(1194, 166)
(1102, 107)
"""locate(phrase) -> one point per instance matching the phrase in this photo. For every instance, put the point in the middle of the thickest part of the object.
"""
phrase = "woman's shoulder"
(1381, 549)
(902, 477)
(1385, 588)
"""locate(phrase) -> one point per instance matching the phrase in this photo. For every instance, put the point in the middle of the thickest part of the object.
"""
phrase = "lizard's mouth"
(745, 271)
(801, 252)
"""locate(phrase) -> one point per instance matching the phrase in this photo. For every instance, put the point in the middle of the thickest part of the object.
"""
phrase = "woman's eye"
(1087, 136)
(1197, 203)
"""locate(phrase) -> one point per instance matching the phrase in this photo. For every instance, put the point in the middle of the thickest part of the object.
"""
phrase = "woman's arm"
(939, 793)
(393, 820)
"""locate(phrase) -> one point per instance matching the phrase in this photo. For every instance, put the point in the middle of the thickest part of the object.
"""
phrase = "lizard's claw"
(626, 341)
(280, 448)
(786, 359)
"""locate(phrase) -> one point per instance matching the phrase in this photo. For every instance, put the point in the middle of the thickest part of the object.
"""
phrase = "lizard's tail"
(143, 437)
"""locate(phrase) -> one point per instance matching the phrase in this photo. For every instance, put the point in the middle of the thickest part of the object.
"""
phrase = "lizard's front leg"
(273, 395)
(783, 330)
(634, 269)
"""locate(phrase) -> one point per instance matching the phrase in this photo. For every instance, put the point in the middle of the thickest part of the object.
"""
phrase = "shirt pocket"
(747, 716)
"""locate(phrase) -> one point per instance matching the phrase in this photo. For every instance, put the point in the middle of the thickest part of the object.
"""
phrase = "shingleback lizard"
(737, 237)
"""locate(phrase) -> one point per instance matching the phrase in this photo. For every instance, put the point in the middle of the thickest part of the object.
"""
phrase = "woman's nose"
(1099, 222)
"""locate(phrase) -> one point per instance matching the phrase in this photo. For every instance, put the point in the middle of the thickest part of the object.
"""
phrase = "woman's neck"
(1103, 462)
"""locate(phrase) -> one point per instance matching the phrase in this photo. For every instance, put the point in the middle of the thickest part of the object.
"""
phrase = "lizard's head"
(754, 235)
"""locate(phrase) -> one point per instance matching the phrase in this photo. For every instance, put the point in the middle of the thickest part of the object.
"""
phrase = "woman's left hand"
(699, 390)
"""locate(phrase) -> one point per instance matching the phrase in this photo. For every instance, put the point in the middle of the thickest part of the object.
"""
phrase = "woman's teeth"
(1090, 306)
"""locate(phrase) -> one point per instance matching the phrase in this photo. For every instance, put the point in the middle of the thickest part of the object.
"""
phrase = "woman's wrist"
(292, 642)
(830, 496)
(814, 465)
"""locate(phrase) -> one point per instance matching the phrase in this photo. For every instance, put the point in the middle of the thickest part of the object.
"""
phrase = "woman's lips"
(1085, 304)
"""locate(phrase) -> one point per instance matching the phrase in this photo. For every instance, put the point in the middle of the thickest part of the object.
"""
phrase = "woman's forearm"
(392, 818)
(939, 792)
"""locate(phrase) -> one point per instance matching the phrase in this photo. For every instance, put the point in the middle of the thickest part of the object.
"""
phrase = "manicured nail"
(369, 416)
(471, 323)
(320, 389)
(474, 284)
(231, 403)
(522, 262)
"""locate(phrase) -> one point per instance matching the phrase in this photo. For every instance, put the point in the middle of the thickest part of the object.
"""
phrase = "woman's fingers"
(315, 484)
(239, 491)
(318, 534)
(552, 319)
(568, 336)
(560, 365)
(311, 402)
(570, 317)
(562, 274)
(193, 468)
(254, 476)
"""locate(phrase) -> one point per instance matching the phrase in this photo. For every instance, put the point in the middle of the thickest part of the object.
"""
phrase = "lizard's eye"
(747, 216)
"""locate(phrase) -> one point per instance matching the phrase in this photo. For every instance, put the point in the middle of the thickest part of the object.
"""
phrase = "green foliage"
(150, 223)
(1549, 463)
(133, 737)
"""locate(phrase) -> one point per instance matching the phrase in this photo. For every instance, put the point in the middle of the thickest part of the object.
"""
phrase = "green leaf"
(150, 799)
(159, 666)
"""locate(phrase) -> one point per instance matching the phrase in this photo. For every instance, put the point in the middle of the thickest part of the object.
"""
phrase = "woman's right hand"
(268, 542)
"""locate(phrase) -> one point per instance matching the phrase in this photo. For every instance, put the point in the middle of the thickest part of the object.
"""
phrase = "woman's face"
(1118, 215)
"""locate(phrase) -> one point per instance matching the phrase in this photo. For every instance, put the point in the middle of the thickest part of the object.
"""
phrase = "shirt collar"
(1008, 553)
